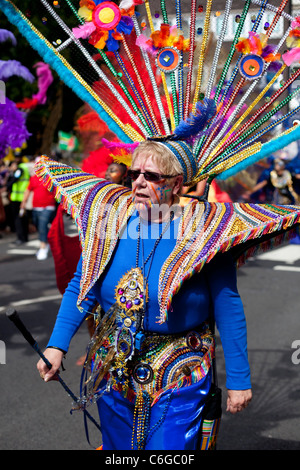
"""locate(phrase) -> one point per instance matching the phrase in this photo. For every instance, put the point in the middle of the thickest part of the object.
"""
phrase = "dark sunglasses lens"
(153, 177)
(134, 174)
(148, 175)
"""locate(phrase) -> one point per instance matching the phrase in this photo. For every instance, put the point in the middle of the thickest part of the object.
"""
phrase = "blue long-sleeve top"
(216, 283)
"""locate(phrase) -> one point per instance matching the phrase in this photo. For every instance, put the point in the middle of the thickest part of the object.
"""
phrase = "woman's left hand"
(237, 400)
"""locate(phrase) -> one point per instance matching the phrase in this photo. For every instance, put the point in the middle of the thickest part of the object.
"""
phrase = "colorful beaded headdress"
(219, 87)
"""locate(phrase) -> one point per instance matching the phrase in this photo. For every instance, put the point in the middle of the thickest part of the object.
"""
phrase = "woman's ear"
(178, 184)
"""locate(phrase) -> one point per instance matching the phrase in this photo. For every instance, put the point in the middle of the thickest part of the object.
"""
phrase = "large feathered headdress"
(215, 87)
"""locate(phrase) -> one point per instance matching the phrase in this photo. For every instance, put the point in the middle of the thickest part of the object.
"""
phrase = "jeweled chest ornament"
(129, 292)
(131, 297)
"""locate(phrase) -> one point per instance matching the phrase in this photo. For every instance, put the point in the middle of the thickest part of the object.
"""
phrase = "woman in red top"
(43, 212)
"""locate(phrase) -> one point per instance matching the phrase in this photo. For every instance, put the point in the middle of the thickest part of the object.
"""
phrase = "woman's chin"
(142, 202)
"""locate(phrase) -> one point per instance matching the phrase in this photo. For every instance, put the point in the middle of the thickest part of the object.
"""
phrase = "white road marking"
(18, 251)
(31, 301)
(287, 268)
(30, 248)
(286, 254)
(33, 243)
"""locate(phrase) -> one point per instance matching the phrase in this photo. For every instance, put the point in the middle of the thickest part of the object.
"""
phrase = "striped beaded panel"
(99, 209)
(210, 429)
(209, 228)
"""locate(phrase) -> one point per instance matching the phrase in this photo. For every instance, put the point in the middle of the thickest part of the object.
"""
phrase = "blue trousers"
(175, 419)
(42, 219)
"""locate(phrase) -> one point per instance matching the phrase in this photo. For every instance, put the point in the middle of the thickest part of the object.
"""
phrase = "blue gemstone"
(123, 346)
(137, 301)
(142, 373)
(123, 299)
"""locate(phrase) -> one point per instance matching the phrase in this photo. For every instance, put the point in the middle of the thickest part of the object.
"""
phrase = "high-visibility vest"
(20, 186)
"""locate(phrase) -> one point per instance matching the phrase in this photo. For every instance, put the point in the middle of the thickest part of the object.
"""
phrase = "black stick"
(12, 314)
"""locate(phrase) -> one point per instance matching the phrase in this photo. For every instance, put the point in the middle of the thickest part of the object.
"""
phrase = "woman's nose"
(141, 180)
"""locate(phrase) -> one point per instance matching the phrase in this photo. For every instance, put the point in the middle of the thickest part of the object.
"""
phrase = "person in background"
(281, 180)
(116, 173)
(16, 187)
(43, 212)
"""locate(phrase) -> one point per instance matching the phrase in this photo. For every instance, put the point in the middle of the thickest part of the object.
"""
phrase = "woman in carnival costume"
(150, 358)
(159, 271)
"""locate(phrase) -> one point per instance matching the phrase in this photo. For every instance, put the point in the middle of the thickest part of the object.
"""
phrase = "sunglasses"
(148, 175)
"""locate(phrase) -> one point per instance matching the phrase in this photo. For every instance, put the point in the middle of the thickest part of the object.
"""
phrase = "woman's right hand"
(55, 357)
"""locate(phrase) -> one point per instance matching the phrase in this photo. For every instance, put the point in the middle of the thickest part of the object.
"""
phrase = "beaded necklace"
(131, 295)
(150, 256)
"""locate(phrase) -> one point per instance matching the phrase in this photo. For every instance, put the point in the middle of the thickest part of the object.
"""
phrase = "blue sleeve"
(230, 320)
(69, 317)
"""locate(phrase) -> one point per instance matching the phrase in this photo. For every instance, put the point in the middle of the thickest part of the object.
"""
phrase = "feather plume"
(84, 31)
(143, 42)
(97, 162)
(10, 68)
(45, 79)
(291, 56)
(120, 152)
(126, 4)
(119, 145)
(6, 35)
(195, 123)
(13, 130)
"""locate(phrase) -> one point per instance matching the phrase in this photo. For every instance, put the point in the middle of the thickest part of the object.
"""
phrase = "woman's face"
(114, 173)
(147, 193)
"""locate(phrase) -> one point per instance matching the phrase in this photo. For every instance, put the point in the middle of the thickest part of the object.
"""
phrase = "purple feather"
(13, 131)
(5, 35)
(269, 49)
(274, 66)
(9, 68)
(196, 122)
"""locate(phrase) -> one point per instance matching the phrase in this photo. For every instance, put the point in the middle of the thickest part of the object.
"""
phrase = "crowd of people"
(26, 205)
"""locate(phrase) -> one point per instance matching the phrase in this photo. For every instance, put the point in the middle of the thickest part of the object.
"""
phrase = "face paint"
(156, 193)
(142, 207)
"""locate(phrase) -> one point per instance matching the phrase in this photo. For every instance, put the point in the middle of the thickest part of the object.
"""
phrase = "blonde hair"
(161, 156)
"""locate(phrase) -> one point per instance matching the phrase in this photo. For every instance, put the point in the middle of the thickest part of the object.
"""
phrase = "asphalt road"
(36, 416)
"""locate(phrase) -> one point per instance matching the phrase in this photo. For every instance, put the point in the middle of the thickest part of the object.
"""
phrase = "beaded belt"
(169, 361)
(163, 362)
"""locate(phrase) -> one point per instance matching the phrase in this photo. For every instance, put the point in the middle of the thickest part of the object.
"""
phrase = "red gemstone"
(194, 341)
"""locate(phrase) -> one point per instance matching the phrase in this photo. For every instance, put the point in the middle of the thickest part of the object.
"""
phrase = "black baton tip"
(11, 312)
